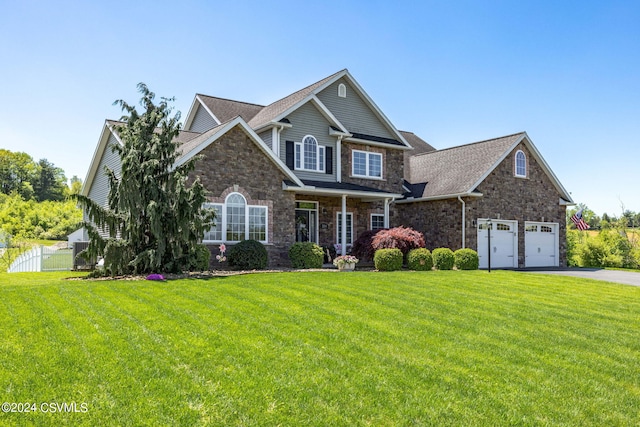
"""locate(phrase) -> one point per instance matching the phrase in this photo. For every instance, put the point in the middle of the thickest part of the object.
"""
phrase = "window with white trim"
(377, 221)
(521, 164)
(349, 228)
(366, 164)
(236, 220)
(215, 232)
(342, 90)
(309, 155)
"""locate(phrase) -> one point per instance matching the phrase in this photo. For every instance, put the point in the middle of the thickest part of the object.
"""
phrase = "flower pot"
(349, 266)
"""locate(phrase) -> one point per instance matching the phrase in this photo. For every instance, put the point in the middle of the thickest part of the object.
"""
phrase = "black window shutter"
(290, 155)
(328, 160)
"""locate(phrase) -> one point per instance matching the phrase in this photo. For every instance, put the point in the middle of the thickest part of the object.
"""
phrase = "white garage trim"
(541, 244)
(504, 243)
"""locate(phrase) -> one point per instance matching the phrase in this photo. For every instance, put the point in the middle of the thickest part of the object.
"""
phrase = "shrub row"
(252, 255)
(422, 260)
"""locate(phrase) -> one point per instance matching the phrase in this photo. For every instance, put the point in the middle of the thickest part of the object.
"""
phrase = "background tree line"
(612, 241)
(41, 180)
(34, 199)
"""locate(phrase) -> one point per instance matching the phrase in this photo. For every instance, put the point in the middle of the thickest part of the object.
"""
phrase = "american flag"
(579, 222)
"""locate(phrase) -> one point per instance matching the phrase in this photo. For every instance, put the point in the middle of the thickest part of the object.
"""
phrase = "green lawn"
(363, 348)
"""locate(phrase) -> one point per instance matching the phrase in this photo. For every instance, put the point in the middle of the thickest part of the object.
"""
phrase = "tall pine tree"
(155, 216)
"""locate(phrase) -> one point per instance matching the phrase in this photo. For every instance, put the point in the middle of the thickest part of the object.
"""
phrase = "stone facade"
(505, 196)
(235, 163)
(392, 168)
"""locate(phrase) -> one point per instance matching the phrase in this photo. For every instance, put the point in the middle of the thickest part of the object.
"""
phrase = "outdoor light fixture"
(489, 245)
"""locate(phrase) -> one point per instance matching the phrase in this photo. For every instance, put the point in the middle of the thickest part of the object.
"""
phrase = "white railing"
(42, 258)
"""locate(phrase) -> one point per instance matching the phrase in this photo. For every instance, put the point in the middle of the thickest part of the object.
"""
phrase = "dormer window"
(521, 164)
(342, 90)
(309, 155)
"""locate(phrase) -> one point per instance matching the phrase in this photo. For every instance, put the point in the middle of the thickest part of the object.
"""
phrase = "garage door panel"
(504, 243)
(541, 244)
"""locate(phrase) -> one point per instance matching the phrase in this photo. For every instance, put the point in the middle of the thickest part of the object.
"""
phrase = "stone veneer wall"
(533, 198)
(235, 163)
(392, 168)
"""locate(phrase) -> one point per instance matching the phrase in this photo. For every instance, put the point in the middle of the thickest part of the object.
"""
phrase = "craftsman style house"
(325, 164)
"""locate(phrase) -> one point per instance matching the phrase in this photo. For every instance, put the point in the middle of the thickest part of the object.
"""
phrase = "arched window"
(236, 221)
(521, 164)
(236, 206)
(309, 155)
(310, 148)
(342, 90)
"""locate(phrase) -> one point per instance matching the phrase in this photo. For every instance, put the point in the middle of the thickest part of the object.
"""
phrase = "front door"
(307, 222)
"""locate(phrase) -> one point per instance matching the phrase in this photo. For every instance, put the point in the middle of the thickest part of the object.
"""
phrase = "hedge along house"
(501, 188)
(320, 165)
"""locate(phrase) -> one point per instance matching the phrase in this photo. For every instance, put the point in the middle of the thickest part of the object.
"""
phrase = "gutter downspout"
(339, 159)
(464, 222)
(386, 213)
(275, 136)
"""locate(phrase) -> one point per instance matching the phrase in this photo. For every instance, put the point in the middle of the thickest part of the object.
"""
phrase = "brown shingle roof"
(456, 170)
(183, 136)
(274, 109)
(193, 143)
(419, 146)
(227, 109)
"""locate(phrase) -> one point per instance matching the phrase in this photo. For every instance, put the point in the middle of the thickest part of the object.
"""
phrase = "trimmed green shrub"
(201, 260)
(466, 259)
(306, 255)
(247, 255)
(419, 259)
(443, 258)
(388, 259)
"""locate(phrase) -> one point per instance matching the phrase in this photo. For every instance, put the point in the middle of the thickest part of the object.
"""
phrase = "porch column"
(343, 236)
(386, 213)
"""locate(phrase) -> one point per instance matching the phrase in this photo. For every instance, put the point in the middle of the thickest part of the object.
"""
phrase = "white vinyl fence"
(42, 258)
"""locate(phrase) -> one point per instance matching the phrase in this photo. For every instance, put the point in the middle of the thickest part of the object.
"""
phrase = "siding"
(267, 137)
(202, 122)
(353, 111)
(307, 120)
(99, 190)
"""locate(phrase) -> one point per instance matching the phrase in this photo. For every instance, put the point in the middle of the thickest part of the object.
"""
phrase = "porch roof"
(335, 189)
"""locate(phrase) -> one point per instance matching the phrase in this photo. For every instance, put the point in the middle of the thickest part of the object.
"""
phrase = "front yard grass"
(323, 348)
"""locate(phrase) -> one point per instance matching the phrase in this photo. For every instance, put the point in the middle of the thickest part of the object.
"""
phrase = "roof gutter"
(339, 192)
(377, 144)
(443, 197)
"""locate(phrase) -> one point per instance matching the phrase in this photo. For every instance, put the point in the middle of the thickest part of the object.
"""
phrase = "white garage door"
(503, 245)
(541, 244)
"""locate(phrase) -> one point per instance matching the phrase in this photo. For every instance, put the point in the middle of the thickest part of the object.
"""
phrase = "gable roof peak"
(229, 99)
(512, 136)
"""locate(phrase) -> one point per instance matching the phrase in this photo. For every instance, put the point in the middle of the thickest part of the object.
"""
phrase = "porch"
(335, 214)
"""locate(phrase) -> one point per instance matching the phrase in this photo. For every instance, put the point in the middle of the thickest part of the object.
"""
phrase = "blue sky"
(453, 72)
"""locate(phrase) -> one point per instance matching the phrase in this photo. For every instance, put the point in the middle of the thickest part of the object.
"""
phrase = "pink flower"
(223, 248)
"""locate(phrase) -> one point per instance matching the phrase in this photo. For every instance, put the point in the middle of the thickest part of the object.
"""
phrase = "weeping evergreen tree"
(155, 216)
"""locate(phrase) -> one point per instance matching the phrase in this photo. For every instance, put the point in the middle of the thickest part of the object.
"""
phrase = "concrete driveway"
(624, 277)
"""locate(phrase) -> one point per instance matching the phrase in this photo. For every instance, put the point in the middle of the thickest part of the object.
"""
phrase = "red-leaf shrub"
(402, 238)
(362, 247)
